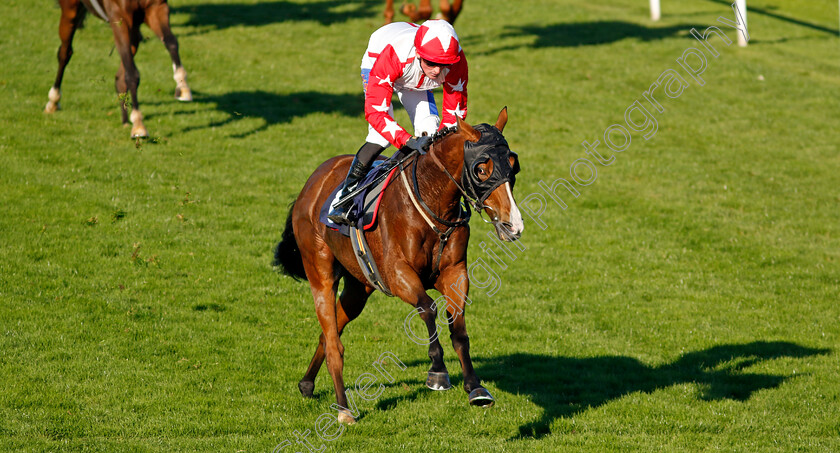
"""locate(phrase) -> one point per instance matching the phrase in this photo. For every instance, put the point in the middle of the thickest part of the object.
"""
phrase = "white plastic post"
(742, 8)
(655, 13)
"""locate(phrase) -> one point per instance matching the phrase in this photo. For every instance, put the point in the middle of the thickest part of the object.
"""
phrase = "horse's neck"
(437, 190)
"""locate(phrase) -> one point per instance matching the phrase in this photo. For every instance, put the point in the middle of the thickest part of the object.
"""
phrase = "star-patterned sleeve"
(455, 93)
(380, 89)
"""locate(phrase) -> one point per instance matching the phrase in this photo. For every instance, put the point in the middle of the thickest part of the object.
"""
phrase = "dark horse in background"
(125, 18)
(448, 12)
(412, 254)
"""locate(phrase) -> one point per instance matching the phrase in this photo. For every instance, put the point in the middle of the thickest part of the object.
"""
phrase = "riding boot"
(340, 214)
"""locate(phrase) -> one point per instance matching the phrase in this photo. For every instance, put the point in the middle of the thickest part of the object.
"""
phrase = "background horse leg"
(417, 14)
(449, 13)
(72, 14)
(127, 39)
(410, 289)
(351, 302)
(389, 11)
(454, 284)
(157, 18)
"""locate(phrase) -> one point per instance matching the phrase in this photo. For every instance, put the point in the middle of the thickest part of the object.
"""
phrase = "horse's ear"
(469, 133)
(502, 120)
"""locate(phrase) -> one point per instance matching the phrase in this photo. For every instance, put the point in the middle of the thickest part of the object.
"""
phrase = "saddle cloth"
(366, 204)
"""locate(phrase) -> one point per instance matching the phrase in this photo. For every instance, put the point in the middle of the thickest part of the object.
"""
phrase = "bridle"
(469, 196)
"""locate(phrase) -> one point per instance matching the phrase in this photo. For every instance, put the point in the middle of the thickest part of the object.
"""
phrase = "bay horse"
(414, 253)
(448, 12)
(125, 18)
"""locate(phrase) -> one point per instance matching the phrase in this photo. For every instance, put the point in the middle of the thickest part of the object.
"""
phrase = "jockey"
(411, 60)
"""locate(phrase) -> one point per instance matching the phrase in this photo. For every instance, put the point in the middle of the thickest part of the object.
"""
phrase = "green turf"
(685, 301)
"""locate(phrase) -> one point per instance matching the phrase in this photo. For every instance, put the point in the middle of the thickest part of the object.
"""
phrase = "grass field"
(686, 301)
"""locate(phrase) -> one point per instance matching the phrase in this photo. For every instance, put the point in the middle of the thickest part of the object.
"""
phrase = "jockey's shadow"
(580, 34)
(218, 16)
(274, 108)
(566, 386)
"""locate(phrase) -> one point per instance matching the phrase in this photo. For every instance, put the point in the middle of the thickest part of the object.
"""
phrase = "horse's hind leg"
(350, 305)
(389, 11)
(127, 39)
(72, 14)
(157, 18)
(320, 265)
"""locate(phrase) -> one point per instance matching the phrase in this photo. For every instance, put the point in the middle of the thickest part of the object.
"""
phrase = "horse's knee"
(460, 341)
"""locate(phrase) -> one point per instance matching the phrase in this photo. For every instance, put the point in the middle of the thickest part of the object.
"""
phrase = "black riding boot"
(340, 214)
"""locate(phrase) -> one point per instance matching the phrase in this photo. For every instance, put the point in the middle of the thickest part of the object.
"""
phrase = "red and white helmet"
(437, 42)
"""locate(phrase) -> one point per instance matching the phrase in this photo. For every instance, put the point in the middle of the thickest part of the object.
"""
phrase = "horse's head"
(489, 174)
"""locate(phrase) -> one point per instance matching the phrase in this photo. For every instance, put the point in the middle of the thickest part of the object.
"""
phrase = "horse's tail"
(287, 254)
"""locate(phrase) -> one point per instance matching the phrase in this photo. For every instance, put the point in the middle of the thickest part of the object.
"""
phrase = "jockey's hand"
(419, 144)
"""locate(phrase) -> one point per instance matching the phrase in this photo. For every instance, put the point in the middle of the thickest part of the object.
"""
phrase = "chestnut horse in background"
(413, 252)
(448, 12)
(125, 18)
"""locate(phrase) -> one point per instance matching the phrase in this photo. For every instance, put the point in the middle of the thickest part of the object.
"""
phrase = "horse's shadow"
(219, 16)
(581, 34)
(275, 108)
(566, 386)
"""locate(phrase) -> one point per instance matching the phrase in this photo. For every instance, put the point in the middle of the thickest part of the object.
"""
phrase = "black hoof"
(438, 381)
(481, 397)
(306, 388)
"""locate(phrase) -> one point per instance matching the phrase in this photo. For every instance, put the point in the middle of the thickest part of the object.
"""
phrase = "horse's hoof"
(481, 397)
(438, 381)
(184, 95)
(139, 132)
(306, 388)
(51, 107)
(346, 418)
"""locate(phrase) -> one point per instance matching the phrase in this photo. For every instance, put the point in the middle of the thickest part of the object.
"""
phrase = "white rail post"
(655, 13)
(742, 9)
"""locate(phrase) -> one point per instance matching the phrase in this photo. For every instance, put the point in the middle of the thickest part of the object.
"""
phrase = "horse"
(448, 12)
(125, 18)
(419, 245)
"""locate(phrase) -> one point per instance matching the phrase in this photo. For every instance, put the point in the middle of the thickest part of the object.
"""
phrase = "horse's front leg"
(127, 39)
(410, 289)
(454, 284)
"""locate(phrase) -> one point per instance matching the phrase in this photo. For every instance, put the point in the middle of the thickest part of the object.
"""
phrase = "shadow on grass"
(219, 16)
(275, 108)
(566, 386)
(585, 34)
(768, 11)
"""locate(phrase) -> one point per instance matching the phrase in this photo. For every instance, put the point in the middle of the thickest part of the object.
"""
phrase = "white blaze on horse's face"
(502, 210)
(508, 219)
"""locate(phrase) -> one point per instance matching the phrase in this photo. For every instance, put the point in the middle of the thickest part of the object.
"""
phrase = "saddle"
(366, 203)
(365, 209)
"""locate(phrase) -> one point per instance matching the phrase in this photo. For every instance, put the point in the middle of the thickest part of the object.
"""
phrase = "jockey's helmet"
(436, 41)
